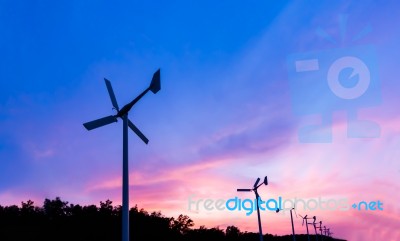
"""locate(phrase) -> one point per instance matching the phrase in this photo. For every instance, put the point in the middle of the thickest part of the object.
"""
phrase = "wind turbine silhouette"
(291, 218)
(329, 232)
(154, 87)
(315, 227)
(254, 189)
(320, 229)
(325, 230)
(305, 218)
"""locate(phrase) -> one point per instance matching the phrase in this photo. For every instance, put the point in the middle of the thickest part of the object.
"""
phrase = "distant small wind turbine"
(306, 222)
(315, 227)
(320, 229)
(329, 232)
(254, 189)
(291, 218)
(154, 87)
(325, 230)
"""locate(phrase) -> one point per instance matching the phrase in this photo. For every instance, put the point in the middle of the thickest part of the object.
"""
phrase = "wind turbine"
(154, 87)
(329, 233)
(315, 227)
(325, 230)
(320, 229)
(254, 189)
(305, 219)
(291, 218)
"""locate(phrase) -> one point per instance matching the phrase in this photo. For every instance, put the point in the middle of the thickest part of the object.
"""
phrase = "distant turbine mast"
(291, 218)
(154, 87)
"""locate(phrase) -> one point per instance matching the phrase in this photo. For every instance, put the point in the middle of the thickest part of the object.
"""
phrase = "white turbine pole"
(125, 181)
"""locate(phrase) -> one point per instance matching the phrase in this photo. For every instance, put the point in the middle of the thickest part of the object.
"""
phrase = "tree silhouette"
(232, 233)
(61, 221)
(54, 208)
(212, 234)
(182, 224)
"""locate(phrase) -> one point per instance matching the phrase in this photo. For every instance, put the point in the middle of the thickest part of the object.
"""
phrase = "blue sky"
(225, 113)
(49, 48)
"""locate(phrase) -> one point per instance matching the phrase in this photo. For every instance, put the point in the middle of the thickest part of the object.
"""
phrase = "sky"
(305, 92)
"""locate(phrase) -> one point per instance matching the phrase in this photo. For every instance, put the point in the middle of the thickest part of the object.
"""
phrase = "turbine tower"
(154, 87)
(291, 218)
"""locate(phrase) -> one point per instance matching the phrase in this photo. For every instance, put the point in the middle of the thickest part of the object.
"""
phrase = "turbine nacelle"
(255, 186)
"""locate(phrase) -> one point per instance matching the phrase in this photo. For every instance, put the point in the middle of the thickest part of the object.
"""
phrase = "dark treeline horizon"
(59, 220)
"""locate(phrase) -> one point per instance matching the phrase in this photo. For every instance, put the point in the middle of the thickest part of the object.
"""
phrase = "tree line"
(57, 220)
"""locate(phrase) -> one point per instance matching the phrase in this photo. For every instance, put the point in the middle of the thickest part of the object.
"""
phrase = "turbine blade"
(155, 85)
(111, 93)
(265, 180)
(256, 183)
(244, 190)
(100, 122)
(137, 131)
